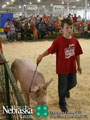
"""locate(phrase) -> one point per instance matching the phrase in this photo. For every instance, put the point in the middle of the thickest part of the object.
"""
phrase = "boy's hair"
(67, 21)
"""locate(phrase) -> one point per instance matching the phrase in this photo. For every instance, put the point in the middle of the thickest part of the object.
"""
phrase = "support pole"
(68, 8)
(38, 11)
(35, 13)
(22, 8)
(44, 10)
(86, 10)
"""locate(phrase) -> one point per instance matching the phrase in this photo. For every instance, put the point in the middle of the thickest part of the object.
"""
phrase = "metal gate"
(10, 94)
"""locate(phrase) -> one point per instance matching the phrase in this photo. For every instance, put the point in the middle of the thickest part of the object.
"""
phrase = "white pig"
(23, 70)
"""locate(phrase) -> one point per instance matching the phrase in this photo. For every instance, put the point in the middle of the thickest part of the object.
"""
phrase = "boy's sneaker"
(63, 108)
(67, 94)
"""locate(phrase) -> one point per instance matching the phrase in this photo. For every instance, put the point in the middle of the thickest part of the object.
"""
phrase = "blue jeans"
(10, 36)
(65, 83)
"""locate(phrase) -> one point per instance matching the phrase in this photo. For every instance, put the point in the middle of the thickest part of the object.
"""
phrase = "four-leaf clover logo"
(41, 111)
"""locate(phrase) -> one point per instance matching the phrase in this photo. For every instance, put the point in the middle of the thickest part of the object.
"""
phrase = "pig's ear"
(47, 84)
(35, 88)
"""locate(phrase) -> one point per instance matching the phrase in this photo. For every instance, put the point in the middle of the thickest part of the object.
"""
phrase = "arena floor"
(80, 95)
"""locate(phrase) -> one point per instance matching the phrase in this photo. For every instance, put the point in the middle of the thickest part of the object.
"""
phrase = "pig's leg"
(26, 97)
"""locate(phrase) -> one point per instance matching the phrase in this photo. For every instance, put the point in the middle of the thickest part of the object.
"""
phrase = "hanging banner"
(11, 3)
(58, 9)
(31, 7)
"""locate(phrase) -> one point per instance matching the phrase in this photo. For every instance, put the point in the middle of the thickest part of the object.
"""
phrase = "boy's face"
(67, 30)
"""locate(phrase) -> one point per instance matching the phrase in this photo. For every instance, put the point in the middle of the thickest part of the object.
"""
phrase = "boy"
(67, 49)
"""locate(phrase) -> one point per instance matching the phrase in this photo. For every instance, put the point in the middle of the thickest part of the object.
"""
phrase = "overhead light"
(51, 4)
(39, 0)
(78, 0)
(88, 4)
(43, 6)
(7, 3)
(62, 2)
(24, 5)
(4, 5)
(19, 6)
(13, 0)
(74, 6)
(30, 3)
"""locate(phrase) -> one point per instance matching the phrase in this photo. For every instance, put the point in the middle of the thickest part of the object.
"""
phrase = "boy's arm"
(50, 50)
(78, 64)
(41, 56)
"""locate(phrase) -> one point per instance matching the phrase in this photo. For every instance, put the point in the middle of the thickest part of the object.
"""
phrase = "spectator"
(80, 26)
(50, 29)
(60, 17)
(79, 18)
(7, 27)
(51, 17)
(26, 30)
(75, 18)
(10, 30)
(57, 25)
(45, 18)
(35, 33)
(69, 16)
(41, 29)
(38, 19)
(89, 26)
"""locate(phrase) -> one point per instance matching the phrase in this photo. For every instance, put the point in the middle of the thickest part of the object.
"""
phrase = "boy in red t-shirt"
(68, 50)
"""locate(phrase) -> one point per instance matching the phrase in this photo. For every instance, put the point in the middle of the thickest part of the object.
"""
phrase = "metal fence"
(10, 94)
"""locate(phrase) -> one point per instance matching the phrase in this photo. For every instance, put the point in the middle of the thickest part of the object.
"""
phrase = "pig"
(32, 86)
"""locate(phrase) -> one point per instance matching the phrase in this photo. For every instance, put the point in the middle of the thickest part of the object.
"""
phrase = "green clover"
(45, 114)
(41, 111)
(45, 108)
(38, 114)
(38, 108)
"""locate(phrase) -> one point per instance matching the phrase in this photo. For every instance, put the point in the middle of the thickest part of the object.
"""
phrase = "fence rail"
(11, 95)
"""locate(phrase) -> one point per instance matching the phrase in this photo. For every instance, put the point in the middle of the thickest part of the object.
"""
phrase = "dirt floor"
(79, 102)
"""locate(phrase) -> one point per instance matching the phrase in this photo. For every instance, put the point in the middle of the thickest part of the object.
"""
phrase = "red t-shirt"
(80, 24)
(75, 18)
(66, 51)
(45, 18)
(89, 24)
(7, 29)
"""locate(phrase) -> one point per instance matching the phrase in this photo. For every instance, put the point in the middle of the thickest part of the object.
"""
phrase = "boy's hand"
(79, 70)
(39, 59)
